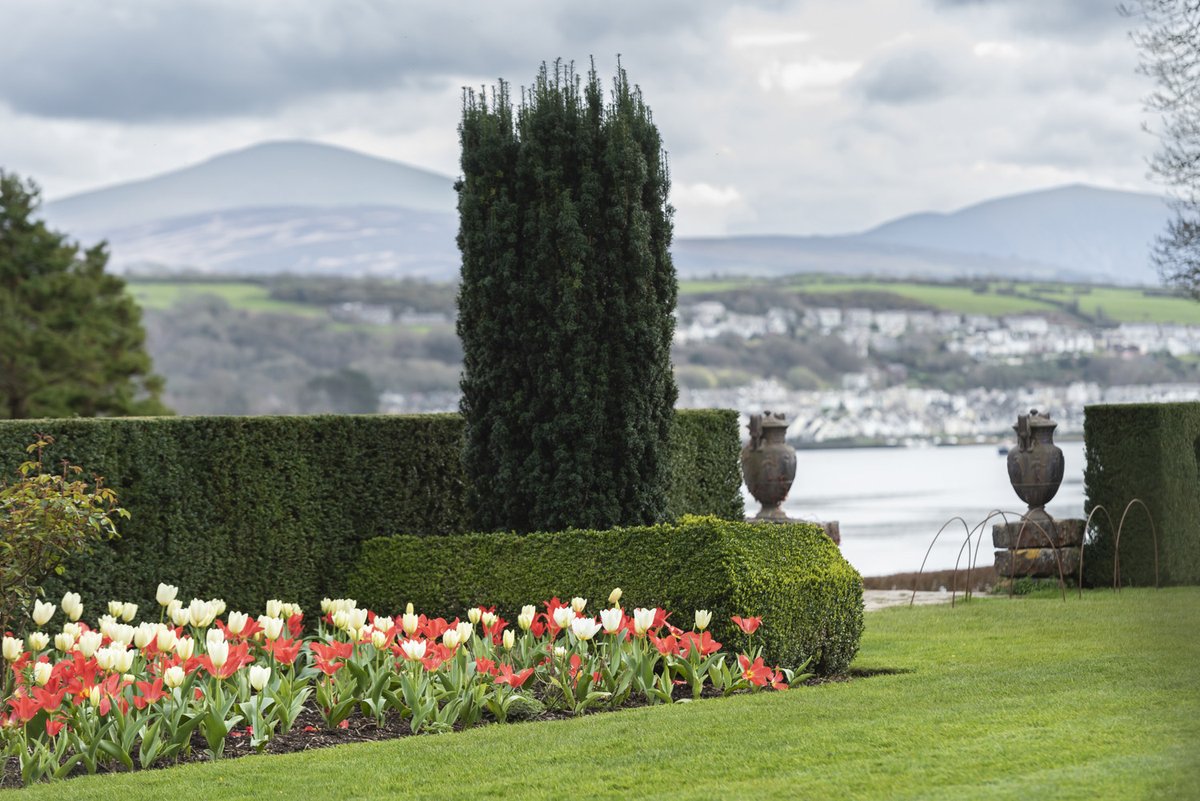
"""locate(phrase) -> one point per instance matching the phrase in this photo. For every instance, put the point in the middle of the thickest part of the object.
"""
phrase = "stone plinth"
(1037, 551)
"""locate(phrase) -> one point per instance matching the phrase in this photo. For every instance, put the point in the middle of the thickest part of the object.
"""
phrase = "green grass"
(239, 295)
(1030, 698)
(946, 297)
(1131, 306)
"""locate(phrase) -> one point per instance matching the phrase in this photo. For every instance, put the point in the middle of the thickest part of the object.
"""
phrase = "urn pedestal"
(1037, 545)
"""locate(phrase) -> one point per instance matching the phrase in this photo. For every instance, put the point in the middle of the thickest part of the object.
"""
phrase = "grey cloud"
(1056, 18)
(142, 61)
(905, 78)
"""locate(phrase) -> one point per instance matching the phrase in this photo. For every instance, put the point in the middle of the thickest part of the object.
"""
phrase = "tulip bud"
(563, 617)
(12, 649)
(42, 612)
(185, 647)
(174, 676)
(213, 637)
(488, 619)
(42, 672)
(703, 618)
(272, 627)
(64, 642)
(274, 608)
(559, 652)
(464, 632)
(612, 618)
(89, 641)
(72, 606)
(408, 608)
(409, 622)
(414, 650)
(578, 604)
(218, 653)
(524, 621)
(450, 638)
(166, 640)
(95, 695)
(509, 638)
(128, 612)
(474, 613)
(614, 597)
(38, 640)
(115, 608)
(259, 676)
(236, 622)
(166, 594)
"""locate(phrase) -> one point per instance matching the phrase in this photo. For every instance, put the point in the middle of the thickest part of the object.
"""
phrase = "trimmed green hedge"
(808, 595)
(1149, 451)
(249, 508)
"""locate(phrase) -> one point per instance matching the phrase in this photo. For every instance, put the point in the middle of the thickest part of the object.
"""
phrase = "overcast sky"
(790, 117)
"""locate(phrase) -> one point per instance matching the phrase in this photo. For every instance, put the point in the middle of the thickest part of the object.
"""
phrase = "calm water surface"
(892, 501)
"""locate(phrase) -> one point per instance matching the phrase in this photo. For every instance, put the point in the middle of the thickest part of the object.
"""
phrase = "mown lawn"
(239, 295)
(1029, 698)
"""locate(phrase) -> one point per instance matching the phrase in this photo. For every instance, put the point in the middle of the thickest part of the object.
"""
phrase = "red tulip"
(703, 642)
(747, 624)
(514, 680)
(757, 673)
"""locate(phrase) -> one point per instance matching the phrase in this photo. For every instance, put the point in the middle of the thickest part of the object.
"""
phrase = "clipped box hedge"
(1149, 451)
(250, 508)
(808, 595)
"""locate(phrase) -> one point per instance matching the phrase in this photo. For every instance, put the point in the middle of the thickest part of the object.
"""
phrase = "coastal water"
(891, 502)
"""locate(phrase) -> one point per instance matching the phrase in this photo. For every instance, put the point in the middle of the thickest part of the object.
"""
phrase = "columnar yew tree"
(565, 305)
(71, 337)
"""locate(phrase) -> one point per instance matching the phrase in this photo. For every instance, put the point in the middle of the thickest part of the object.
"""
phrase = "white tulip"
(450, 638)
(384, 624)
(259, 676)
(122, 633)
(488, 619)
(104, 658)
(236, 623)
(524, 621)
(341, 619)
(414, 650)
(201, 613)
(95, 695)
(64, 642)
(218, 653)
(185, 647)
(88, 642)
(12, 649)
(42, 672)
(474, 613)
(115, 608)
(563, 616)
(559, 652)
(74, 629)
(378, 638)
(272, 626)
(145, 634)
(612, 618)
(356, 619)
(585, 628)
(128, 611)
(643, 620)
(72, 606)
(213, 637)
(217, 606)
(38, 640)
(166, 640)
(464, 632)
(123, 660)
(703, 618)
(409, 623)
(174, 676)
(509, 638)
(42, 612)
(578, 604)
(274, 608)
(614, 597)
(166, 594)
(530, 610)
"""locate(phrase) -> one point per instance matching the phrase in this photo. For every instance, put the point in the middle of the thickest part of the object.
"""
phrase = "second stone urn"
(769, 464)
(1035, 466)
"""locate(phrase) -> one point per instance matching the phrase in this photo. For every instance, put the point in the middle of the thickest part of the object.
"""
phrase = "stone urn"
(1035, 466)
(769, 464)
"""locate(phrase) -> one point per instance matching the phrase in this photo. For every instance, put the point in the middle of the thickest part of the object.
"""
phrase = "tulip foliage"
(126, 694)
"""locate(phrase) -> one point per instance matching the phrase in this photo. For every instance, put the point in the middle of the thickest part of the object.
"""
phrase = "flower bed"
(126, 695)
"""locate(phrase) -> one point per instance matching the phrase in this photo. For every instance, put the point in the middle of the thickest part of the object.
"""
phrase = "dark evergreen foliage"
(565, 306)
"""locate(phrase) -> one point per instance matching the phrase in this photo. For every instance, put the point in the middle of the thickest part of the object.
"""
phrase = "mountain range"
(309, 208)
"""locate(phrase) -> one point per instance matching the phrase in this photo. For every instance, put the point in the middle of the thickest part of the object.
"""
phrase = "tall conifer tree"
(565, 305)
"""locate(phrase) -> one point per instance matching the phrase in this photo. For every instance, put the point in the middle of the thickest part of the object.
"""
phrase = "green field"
(1026, 698)
(1119, 304)
(238, 294)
